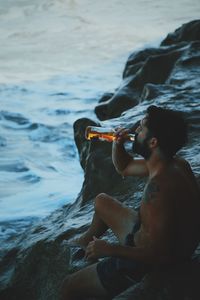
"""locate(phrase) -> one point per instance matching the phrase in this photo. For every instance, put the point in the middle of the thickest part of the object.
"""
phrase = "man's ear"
(153, 142)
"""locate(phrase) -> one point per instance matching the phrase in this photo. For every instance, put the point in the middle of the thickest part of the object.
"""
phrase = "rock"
(150, 66)
(33, 266)
(95, 158)
(79, 137)
(122, 100)
(42, 261)
(187, 32)
(105, 97)
(137, 59)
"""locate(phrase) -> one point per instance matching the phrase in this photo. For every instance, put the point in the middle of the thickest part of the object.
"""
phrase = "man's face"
(142, 137)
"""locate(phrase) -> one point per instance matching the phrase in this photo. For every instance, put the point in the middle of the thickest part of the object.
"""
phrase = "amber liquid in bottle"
(104, 134)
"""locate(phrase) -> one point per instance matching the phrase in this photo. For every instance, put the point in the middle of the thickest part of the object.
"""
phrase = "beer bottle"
(104, 134)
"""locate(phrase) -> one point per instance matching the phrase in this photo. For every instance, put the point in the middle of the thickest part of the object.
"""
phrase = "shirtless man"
(166, 230)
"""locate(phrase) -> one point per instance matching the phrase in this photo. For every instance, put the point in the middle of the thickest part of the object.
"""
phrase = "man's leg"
(82, 284)
(109, 213)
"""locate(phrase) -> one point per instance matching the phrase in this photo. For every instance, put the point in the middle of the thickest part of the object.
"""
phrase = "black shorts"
(117, 274)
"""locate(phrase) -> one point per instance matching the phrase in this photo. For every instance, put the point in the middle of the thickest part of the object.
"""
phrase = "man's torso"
(169, 213)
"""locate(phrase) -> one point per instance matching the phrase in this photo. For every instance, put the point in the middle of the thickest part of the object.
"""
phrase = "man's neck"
(156, 164)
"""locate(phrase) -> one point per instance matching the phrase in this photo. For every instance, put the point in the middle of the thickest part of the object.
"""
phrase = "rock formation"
(166, 76)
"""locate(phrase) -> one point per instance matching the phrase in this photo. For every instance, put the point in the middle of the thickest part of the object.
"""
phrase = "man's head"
(162, 128)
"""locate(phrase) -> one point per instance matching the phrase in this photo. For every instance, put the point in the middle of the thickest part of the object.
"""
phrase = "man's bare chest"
(151, 191)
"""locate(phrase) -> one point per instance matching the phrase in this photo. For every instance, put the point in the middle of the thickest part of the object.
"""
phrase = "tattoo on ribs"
(151, 191)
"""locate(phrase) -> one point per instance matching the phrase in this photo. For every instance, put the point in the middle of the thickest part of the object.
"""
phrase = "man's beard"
(142, 148)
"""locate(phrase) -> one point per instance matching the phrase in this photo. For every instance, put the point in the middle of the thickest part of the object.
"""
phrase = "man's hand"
(121, 135)
(97, 248)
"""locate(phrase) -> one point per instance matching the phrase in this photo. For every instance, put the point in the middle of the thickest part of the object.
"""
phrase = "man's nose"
(135, 126)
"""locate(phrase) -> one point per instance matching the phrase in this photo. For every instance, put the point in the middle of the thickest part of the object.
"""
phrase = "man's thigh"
(117, 216)
(84, 283)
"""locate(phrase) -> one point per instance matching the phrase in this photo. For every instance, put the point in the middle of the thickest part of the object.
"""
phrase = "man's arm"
(124, 163)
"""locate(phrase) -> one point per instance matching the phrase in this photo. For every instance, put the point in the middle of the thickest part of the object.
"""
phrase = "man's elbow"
(121, 172)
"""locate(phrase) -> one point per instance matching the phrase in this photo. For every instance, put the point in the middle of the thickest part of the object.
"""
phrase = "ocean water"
(57, 57)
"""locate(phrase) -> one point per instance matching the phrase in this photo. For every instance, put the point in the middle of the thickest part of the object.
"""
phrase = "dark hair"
(169, 127)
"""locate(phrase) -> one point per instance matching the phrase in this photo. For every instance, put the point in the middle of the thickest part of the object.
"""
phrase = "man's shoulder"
(181, 161)
(175, 172)
(176, 179)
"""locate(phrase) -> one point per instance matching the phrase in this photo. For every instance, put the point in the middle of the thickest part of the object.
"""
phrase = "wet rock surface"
(34, 264)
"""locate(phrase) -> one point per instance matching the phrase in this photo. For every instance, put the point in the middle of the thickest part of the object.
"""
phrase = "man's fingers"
(121, 133)
(89, 252)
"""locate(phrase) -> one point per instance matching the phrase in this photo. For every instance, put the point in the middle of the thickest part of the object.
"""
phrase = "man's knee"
(100, 202)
